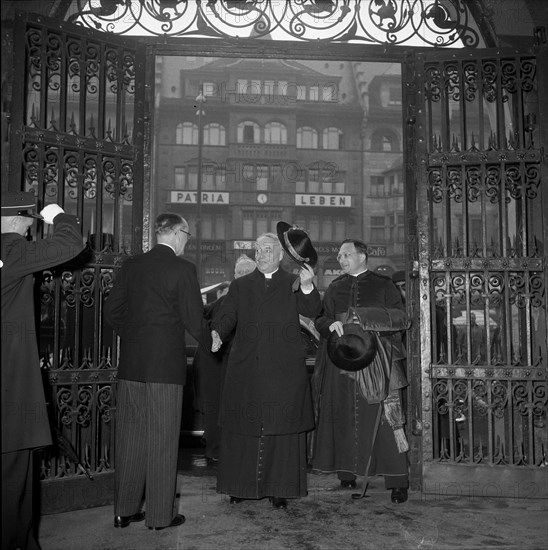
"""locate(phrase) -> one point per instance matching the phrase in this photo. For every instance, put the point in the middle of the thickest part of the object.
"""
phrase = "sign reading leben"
(191, 197)
(340, 201)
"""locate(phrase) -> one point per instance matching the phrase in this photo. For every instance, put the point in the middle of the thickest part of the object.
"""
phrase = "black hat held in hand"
(296, 243)
(354, 350)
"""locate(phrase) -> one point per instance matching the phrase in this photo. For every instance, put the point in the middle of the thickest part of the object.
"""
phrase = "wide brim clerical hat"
(354, 350)
(17, 203)
(297, 244)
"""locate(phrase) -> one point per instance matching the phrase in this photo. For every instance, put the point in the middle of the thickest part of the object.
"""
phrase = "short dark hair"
(360, 246)
(166, 222)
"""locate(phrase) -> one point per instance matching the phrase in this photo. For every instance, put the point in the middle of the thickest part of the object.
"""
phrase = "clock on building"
(262, 198)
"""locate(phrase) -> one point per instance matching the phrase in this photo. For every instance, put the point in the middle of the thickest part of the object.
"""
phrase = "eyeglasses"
(182, 231)
(345, 255)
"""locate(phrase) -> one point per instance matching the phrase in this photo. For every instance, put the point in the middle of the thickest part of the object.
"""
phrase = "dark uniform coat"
(345, 421)
(266, 386)
(24, 419)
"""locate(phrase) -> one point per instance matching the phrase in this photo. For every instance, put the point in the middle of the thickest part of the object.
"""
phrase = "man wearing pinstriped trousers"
(156, 297)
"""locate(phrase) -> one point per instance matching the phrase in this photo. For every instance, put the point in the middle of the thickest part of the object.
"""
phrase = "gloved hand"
(50, 211)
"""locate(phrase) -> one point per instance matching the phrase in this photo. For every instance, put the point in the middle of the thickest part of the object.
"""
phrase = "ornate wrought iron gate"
(80, 132)
(481, 287)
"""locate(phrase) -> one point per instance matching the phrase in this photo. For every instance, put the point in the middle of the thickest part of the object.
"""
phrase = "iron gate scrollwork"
(482, 266)
(81, 133)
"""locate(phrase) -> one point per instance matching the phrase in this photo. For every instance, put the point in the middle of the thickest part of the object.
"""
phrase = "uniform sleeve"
(26, 257)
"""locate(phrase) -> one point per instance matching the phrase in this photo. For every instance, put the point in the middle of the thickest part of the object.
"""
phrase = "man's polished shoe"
(399, 495)
(179, 519)
(348, 483)
(124, 521)
(235, 500)
(278, 502)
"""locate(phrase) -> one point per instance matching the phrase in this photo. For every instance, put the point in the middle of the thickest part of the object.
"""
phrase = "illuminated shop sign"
(339, 201)
(191, 197)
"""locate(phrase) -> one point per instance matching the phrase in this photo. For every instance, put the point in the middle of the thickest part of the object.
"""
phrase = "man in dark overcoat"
(156, 297)
(25, 423)
(345, 420)
(266, 406)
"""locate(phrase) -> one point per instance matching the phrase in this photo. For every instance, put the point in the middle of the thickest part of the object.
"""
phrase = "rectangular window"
(249, 134)
(326, 230)
(268, 87)
(394, 95)
(314, 229)
(208, 178)
(400, 228)
(329, 93)
(192, 179)
(313, 180)
(262, 178)
(314, 93)
(262, 224)
(242, 86)
(301, 93)
(340, 230)
(207, 226)
(179, 178)
(248, 226)
(377, 186)
(220, 227)
(378, 226)
(220, 179)
(256, 222)
(340, 188)
(327, 187)
(282, 87)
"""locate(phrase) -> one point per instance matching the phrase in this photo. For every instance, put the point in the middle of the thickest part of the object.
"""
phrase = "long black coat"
(344, 431)
(266, 384)
(156, 297)
(24, 418)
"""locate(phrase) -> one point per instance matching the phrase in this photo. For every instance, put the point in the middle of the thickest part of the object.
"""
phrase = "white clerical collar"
(269, 275)
(358, 274)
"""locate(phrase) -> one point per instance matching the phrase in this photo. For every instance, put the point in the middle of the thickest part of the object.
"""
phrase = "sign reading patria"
(191, 197)
(341, 201)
